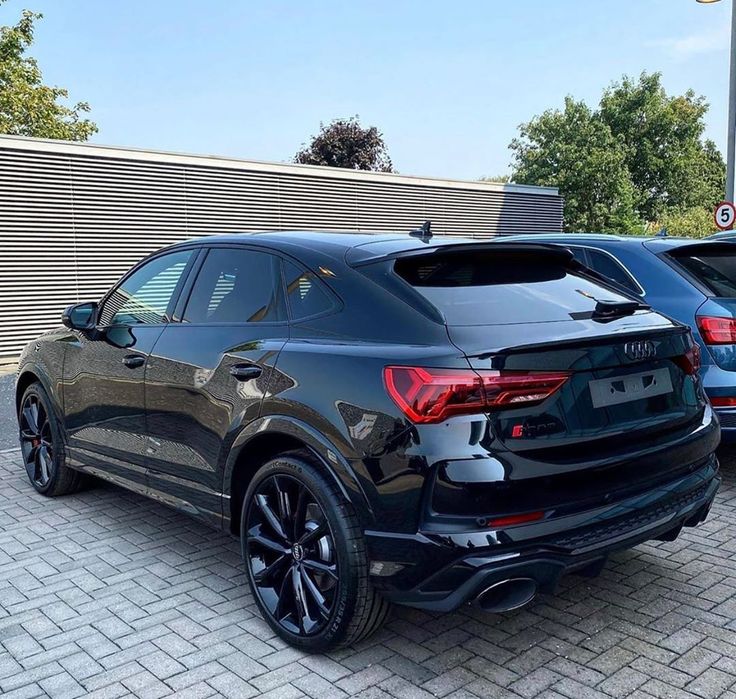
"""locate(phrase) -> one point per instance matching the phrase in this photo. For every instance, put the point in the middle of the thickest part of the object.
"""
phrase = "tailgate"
(626, 369)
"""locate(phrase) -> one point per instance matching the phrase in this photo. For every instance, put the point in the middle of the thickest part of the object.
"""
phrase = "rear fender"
(336, 466)
(724, 356)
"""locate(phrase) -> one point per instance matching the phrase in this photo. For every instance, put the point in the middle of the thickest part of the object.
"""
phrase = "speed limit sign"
(725, 215)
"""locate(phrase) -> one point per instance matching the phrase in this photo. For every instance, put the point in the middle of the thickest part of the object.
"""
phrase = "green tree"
(671, 166)
(574, 150)
(27, 106)
(498, 179)
(638, 159)
(696, 222)
(345, 143)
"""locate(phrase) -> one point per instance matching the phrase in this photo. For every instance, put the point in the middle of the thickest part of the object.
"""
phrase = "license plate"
(624, 389)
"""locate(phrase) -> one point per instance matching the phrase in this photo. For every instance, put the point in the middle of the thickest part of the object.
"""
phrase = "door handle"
(133, 361)
(246, 372)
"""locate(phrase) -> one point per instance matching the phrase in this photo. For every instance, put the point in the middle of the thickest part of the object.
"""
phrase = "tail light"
(427, 395)
(723, 402)
(717, 331)
(690, 361)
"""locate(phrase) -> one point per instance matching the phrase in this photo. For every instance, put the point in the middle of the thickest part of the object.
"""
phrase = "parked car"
(379, 418)
(692, 281)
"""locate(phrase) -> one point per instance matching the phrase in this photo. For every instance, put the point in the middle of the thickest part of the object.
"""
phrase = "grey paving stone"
(111, 595)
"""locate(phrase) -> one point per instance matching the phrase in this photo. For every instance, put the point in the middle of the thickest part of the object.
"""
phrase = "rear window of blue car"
(714, 269)
(487, 288)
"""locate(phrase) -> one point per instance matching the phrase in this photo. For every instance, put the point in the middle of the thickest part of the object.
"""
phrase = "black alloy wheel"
(42, 445)
(305, 556)
(36, 441)
(291, 553)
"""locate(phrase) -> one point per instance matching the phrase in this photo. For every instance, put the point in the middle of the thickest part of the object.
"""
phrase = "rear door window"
(578, 254)
(502, 287)
(609, 267)
(236, 286)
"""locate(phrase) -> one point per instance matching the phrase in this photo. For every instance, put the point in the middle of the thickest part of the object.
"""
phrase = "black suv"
(379, 418)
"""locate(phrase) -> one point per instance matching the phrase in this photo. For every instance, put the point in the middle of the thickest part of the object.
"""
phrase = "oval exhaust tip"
(507, 595)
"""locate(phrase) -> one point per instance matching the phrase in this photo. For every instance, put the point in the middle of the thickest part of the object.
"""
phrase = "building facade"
(74, 217)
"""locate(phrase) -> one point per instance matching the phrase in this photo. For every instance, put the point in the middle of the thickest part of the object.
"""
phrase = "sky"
(446, 82)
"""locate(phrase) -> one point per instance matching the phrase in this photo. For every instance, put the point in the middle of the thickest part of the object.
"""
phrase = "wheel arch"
(32, 373)
(266, 438)
(24, 380)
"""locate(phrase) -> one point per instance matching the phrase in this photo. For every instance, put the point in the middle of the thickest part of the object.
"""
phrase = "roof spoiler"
(709, 247)
(556, 251)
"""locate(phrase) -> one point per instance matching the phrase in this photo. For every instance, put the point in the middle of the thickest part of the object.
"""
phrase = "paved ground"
(108, 594)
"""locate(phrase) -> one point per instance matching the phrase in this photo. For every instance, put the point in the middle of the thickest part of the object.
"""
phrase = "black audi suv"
(379, 418)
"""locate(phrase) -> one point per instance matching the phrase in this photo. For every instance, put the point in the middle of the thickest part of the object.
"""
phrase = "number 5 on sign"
(725, 215)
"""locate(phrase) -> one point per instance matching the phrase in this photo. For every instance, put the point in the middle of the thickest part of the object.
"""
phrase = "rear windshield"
(486, 288)
(715, 270)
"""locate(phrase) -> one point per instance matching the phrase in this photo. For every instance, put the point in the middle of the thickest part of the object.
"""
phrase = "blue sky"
(447, 82)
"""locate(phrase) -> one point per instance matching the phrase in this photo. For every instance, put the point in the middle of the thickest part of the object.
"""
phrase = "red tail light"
(690, 361)
(723, 402)
(432, 395)
(717, 331)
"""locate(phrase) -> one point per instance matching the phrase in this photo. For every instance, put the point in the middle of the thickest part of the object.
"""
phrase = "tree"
(575, 151)
(345, 143)
(27, 106)
(696, 222)
(670, 165)
(639, 158)
(498, 179)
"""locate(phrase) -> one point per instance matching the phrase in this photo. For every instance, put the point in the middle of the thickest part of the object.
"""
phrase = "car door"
(208, 372)
(103, 390)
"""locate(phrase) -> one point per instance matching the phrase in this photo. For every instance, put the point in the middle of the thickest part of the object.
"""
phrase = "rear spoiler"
(720, 247)
(360, 257)
(357, 257)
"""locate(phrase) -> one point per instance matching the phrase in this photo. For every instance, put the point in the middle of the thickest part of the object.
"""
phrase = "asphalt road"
(8, 437)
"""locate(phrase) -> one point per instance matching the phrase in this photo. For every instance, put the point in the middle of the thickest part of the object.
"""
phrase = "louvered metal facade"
(74, 217)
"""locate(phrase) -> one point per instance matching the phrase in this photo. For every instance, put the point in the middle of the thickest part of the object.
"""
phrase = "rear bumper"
(721, 383)
(727, 418)
(442, 571)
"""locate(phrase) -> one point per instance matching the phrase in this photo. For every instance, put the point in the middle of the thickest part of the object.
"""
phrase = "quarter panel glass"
(304, 293)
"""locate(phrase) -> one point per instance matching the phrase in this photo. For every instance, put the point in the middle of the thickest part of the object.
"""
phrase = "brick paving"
(106, 594)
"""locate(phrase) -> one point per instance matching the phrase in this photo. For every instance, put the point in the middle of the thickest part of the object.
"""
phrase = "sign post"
(725, 215)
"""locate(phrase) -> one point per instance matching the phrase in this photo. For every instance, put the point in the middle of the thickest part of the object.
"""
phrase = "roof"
(653, 242)
(335, 244)
(361, 248)
(583, 237)
(219, 161)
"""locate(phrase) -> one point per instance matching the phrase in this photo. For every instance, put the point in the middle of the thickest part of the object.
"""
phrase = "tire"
(42, 445)
(334, 562)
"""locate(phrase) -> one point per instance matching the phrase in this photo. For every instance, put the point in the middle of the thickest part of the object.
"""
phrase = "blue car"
(692, 281)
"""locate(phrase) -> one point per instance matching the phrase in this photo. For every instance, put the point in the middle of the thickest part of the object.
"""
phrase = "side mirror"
(81, 316)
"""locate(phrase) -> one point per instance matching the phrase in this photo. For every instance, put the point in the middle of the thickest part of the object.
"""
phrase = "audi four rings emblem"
(640, 349)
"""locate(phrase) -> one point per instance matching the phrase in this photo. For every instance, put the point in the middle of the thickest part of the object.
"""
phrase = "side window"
(605, 264)
(579, 255)
(236, 286)
(305, 293)
(145, 295)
